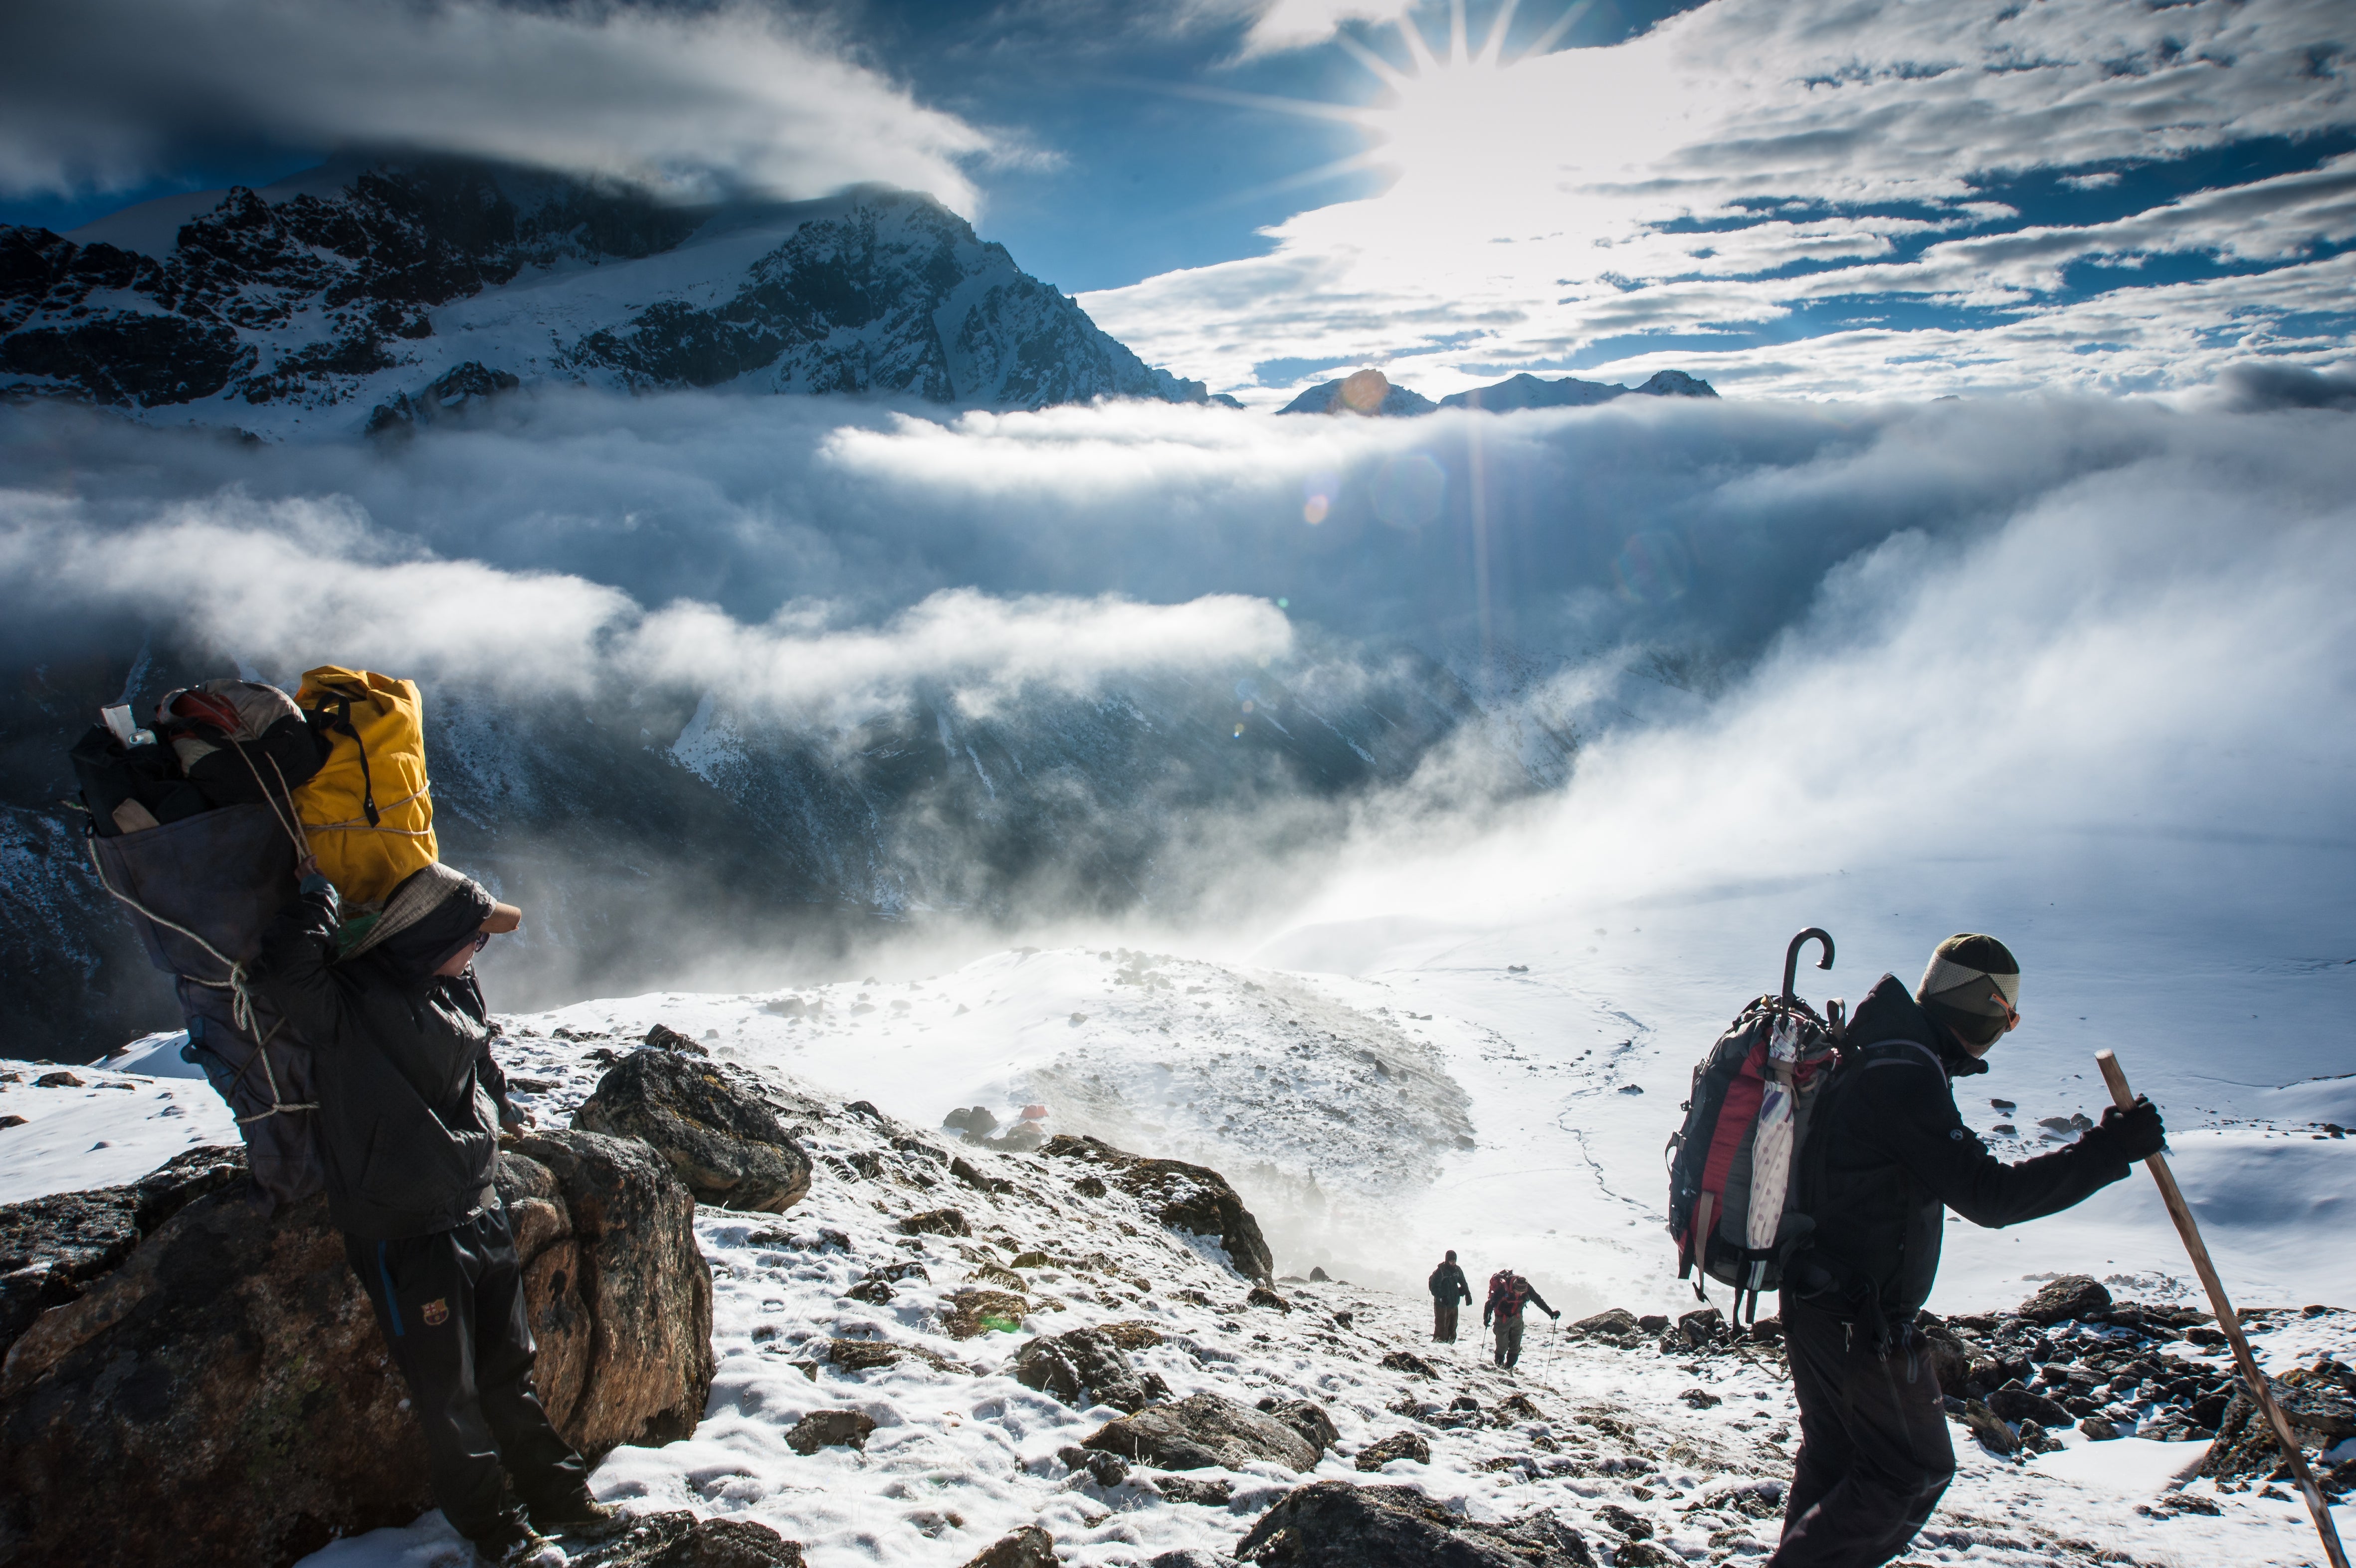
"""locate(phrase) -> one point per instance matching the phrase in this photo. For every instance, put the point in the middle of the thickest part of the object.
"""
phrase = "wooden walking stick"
(2260, 1390)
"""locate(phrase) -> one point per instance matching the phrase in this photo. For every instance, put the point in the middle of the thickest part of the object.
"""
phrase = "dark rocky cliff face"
(311, 301)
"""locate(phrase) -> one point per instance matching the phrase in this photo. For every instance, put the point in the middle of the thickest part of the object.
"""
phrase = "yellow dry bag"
(368, 812)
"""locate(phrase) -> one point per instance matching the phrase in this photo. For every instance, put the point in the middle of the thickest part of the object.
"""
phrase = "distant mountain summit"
(358, 295)
(1527, 390)
(1369, 392)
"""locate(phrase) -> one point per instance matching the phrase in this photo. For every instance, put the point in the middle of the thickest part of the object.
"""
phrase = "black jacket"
(1448, 1285)
(1888, 1153)
(408, 1095)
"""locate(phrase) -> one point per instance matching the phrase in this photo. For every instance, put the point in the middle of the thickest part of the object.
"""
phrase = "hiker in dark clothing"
(410, 1104)
(1449, 1290)
(1887, 1154)
(1508, 1294)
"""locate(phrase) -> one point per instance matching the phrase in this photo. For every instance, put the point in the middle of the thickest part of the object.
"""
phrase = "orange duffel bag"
(368, 812)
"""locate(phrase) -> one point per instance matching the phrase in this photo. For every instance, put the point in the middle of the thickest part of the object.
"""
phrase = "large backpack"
(367, 813)
(1731, 1198)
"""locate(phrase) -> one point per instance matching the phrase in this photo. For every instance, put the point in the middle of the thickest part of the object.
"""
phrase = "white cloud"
(304, 581)
(1294, 24)
(1593, 194)
(108, 92)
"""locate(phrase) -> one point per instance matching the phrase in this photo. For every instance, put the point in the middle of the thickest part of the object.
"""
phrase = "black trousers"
(452, 1309)
(1875, 1454)
(1443, 1320)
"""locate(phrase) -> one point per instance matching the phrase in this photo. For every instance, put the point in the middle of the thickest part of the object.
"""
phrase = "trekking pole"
(2260, 1389)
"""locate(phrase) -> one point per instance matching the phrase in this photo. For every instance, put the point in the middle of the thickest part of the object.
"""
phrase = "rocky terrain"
(370, 294)
(974, 1343)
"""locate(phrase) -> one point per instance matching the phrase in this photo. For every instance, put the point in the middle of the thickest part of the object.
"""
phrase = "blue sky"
(1809, 198)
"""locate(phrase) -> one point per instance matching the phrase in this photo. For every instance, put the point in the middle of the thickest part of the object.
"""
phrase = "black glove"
(1556, 1315)
(2133, 1134)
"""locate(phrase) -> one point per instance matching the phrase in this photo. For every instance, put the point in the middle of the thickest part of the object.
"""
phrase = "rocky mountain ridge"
(332, 302)
(1369, 392)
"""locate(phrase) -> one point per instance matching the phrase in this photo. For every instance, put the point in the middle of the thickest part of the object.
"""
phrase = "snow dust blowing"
(1207, 676)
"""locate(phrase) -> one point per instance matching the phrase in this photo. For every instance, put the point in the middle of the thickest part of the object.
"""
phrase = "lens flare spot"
(1239, 730)
(1410, 490)
(1248, 706)
(1315, 509)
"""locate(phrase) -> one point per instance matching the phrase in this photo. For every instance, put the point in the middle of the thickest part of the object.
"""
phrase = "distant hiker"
(1508, 1294)
(410, 1104)
(1887, 1154)
(1449, 1290)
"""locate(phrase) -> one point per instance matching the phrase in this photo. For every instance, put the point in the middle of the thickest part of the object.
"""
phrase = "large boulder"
(50, 1247)
(1203, 1430)
(1082, 1368)
(2072, 1296)
(728, 1147)
(1194, 1199)
(1334, 1524)
(226, 1392)
(643, 1284)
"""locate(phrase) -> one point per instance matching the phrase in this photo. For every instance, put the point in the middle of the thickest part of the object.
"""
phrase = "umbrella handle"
(1792, 956)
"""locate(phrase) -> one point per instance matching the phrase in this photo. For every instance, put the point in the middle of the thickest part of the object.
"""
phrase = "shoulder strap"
(1929, 1057)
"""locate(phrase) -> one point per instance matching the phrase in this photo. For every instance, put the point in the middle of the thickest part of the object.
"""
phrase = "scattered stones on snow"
(1410, 1363)
(728, 1147)
(936, 1222)
(975, 1312)
(1203, 1432)
(1030, 1547)
(829, 1429)
(1194, 1199)
(1334, 1524)
(663, 1037)
(1397, 1446)
(1306, 1417)
(1190, 1489)
(1082, 1368)
(680, 1540)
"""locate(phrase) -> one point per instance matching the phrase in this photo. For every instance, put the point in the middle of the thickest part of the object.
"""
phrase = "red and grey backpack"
(1731, 1166)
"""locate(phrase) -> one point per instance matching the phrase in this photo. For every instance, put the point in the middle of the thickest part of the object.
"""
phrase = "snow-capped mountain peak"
(307, 307)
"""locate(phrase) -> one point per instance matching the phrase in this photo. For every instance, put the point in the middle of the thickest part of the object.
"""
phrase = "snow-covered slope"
(307, 307)
(1439, 1096)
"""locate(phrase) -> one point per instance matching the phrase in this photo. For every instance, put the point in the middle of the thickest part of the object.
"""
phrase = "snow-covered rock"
(374, 294)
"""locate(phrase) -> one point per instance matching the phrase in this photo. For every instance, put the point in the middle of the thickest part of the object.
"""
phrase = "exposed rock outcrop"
(1201, 1431)
(643, 1282)
(50, 1247)
(1082, 1368)
(1194, 1199)
(728, 1147)
(1030, 1547)
(682, 1540)
(226, 1390)
(1332, 1524)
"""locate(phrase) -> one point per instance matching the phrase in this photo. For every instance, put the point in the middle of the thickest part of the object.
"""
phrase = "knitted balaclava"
(1973, 986)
